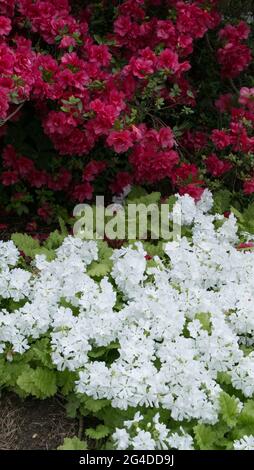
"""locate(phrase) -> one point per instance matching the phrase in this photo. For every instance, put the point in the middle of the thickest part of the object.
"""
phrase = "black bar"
(112, 459)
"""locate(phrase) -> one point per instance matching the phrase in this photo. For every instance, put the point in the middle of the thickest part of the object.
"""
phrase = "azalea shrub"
(152, 344)
(98, 97)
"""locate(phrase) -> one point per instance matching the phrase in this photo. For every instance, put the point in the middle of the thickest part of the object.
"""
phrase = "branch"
(233, 86)
(12, 114)
(208, 43)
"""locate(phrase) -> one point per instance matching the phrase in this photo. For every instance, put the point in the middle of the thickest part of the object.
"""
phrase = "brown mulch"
(33, 424)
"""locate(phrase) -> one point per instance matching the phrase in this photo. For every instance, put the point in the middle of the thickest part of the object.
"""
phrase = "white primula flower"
(19, 286)
(121, 439)
(243, 375)
(137, 418)
(245, 443)
(9, 254)
(143, 441)
(181, 441)
(188, 209)
(205, 203)
(86, 251)
(228, 231)
(129, 268)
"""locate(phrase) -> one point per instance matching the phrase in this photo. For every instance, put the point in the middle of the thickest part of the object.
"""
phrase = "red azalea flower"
(9, 178)
(121, 141)
(224, 103)
(141, 67)
(83, 191)
(166, 138)
(235, 33)
(248, 186)
(5, 26)
(4, 102)
(168, 60)
(220, 139)
(217, 167)
(67, 41)
(31, 226)
(247, 97)
(93, 169)
(99, 54)
(123, 179)
(45, 211)
(186, 171)
(193, 190)
(151, 166)
(122, 26)
(38, 178)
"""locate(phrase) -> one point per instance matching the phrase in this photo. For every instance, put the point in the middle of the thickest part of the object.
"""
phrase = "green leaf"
(50, 254)
(97, 352)
(99, 432)
(45, 380)
(222, 201)
(101, 350)
(40, 352)
(99, 269)
(135, 193)
(72, 405)
(31, 247)
(66, 381)
(114, 417)
(238, 214)
(154, 249)
(63, 228)
(54, 240)
(95, 405)
(26, 244)
(245, 423)
(147, 199)
(224, 378)
(205, 320)
(102, 267)
(73, 443)
(205, 437)
(228, 409)
(248, 219)
(40, 382)
(171, 202)
(10, 371)
(249, 212)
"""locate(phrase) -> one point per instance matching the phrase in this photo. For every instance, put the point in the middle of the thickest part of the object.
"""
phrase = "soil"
(32, 424)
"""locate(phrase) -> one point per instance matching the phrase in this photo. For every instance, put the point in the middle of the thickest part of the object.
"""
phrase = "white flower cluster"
(129, 269)
(245, 443)
(155, 436)
(177, 325)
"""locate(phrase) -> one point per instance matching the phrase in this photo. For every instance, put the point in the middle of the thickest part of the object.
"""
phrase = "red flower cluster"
(153, 157)
(217, 167)
(107, 91)
(187, 181)
(21, 168)
(234, 56)
(236, 142)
